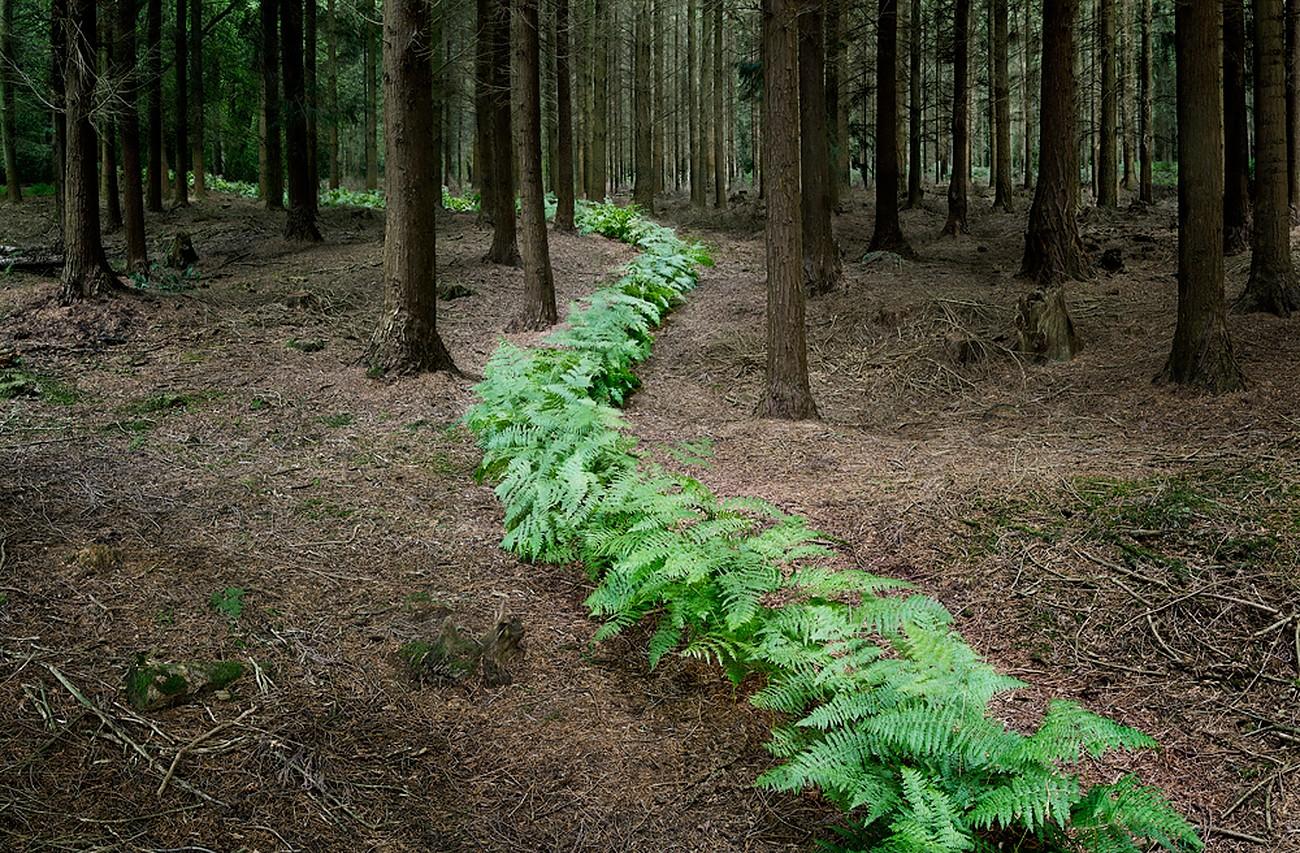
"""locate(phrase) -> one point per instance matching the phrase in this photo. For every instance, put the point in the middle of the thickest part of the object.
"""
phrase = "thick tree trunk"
(960, 180)
(787, 393)
(407, 339)
(1053, 250)
(181, 187)
(1146, 132)
(274, 178)
(370, 38)
(504, 249)
(915, 158)
(301, 224)
(8, 119)
(157, 171)
(538, 310)
(332, 83)
(137, 260)
(1202, 352)
(1107, 155)
(85, 269)
(643, 193)
(1002, 190)
(1272, 286)
(196, 98)
(821, 259)
(564, 188)
(887, 235)
(1236, 198)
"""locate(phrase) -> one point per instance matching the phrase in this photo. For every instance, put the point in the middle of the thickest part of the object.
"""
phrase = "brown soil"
(345, 507)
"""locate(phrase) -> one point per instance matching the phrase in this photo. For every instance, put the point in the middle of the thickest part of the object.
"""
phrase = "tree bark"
(301, 224)
(1107, 155)
(1002, 190)
(1202, 352)
(719, 117)
(887, 236)
(1236, 199)
(1272, 285)
(538, 310)
(960, 181)
(8, 122)
(787, 393)
(85, 268)
(564, 189)
(157, 171)
(181, 191)
(504, 249)
(1293, 105)
(1146, 132)
(1053, 250)
(643, 193)
(600, 102)
(407, 340)
(274, 179)
(915, 158)
(137, 260)
(821, 258)
(196, 98)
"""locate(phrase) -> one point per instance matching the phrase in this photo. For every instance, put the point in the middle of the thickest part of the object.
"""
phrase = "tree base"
(1044, 326)
(506, 255)
(404, 346)
(301, 227)
(89, 284)
(821, 278)
(1209, 366)
(1236, 240)
(893, 242)
(1273, 292)
(788, 404)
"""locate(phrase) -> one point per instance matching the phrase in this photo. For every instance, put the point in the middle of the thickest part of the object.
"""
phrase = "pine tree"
(887, 235)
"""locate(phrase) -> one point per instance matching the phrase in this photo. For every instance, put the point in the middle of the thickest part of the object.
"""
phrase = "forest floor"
(1100, 537)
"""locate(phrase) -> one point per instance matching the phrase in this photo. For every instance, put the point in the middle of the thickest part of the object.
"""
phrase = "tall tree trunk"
(370, 37)
(915, 159)
(407, 340)
(1272, 286)
(137, 260)
(504, 249)
(85, 268)
(1236, 163)
(301, 224)
(600, 102)
(1147, 132)
(960, 181)
(108, 137)
(719, 117)
(692, 98)
(1202, 352)
(659, 106)
(332, 83)
(821, 260)
(181, 192)
(1028, 91)
(1108, 159)
(834, 48)
(538, 310)
(483, 20)
(157, 171)
(311, 99)
(1053, 250)
(59, 14)
(787, 393)
(196, 98)
(643, 193)
(564, 188)
(1126, 110)
(887, 235)
(8, 122)
(274, 178)
(1002, 191)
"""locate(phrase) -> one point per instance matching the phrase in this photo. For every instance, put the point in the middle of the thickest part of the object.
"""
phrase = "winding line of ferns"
(887, 709)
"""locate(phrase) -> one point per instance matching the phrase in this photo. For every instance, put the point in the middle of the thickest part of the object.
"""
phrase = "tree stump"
(1044, 326)
(181, 254)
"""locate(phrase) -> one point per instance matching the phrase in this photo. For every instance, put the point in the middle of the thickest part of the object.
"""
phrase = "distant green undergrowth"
(887, 710)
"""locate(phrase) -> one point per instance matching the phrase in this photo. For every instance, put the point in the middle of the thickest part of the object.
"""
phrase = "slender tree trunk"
(332, 83)
(1107, 156)
(108, 137)
(85, 268)
(370, 37)
(301, 224)
(643, 193)
(1272, 286)
(59, 13)
(181, 192)
(659, 105)
(821, 260)
(504, 249)
(787, 393)
(1002, 191)
(270, 10)
(1236, 199)
(8, 122)
(1127, 112)
(538, 310)
(834, 47)
(916, 162)
(960, 181)
(1202, 352)
(196, 98)
(311, 98)
(137, 260)
(887, 235)
(564, 188)
(483, 18)
(692, 95)
(1028, 91)
(407, 340)
(1146, 134)
(600, 102)
(157, 171)
(719, 157)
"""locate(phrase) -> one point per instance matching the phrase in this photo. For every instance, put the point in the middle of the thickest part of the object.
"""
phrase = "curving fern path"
(886, 708)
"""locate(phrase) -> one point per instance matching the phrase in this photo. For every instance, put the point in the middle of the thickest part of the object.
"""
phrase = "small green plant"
(259, 404)
(229, 602)
(17, 381)
(166, 279)
(305, 344)
(338, 420)
(163, 401)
